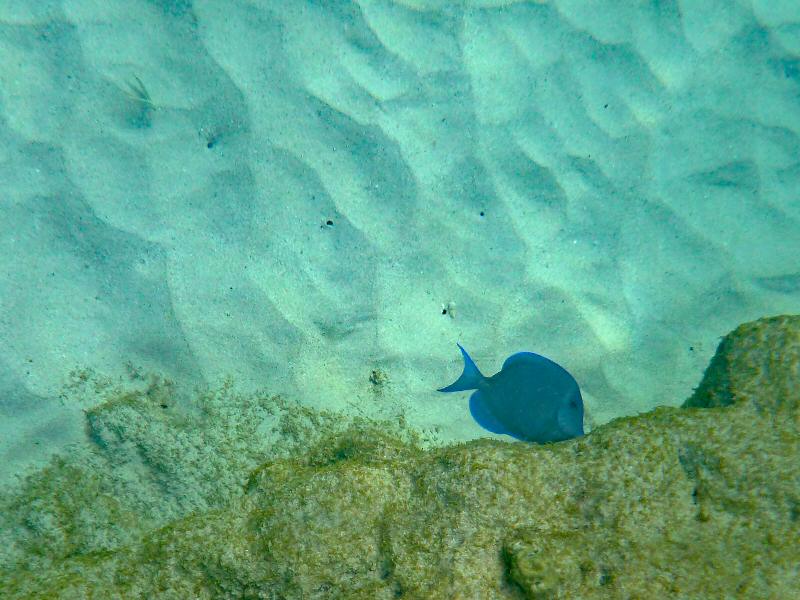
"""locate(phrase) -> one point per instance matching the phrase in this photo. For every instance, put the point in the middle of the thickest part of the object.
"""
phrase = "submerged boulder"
(701, 501)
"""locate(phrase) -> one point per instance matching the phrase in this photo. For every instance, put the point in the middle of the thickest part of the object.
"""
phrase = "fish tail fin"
(470, 378)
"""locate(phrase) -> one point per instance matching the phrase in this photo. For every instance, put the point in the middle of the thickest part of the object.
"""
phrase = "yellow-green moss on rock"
(676, 503)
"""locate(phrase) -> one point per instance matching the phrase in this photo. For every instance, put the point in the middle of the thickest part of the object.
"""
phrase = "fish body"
(531, 398)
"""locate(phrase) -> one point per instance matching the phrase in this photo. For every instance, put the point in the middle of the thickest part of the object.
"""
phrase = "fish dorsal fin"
(482, 416)
(470, 378)
(523, 357)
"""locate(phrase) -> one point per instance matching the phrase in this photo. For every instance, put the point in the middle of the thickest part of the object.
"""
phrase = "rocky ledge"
(701, 501)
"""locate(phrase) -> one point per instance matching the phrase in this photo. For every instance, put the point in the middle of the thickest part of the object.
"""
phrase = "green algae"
(694, 502)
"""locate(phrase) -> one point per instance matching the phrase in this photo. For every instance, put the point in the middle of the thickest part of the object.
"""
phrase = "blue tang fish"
(531, 398)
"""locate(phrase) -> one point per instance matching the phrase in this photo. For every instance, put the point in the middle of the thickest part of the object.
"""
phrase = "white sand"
(638, 172)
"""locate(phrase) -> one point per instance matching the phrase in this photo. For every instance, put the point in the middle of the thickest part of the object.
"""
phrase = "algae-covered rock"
(694, 502)
(758, 355)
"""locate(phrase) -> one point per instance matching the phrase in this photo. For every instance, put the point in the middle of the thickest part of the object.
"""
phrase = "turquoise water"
(318, 200)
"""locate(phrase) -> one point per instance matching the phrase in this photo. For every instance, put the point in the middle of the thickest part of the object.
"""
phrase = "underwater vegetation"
(701, 501)
(140, 99)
